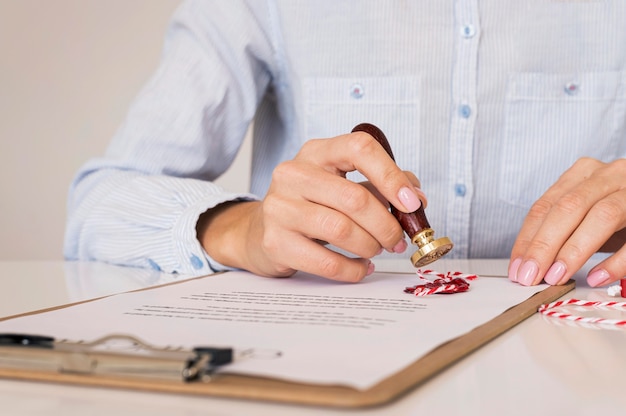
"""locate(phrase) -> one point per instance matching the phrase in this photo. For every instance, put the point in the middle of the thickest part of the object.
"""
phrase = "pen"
(622, 283)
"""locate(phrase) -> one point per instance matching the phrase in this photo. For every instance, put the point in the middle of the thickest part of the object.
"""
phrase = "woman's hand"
(582, 213)
(310, 202)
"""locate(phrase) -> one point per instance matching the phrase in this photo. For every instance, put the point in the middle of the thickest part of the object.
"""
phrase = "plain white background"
(69, 70)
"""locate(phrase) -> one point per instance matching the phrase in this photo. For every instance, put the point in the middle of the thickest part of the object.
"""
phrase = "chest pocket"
(554, 119)
(335, 105)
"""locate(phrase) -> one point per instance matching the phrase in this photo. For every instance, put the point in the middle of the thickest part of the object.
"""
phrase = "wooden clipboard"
(266, 389)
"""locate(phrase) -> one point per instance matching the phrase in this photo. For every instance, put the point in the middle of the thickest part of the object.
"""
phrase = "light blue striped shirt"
(487, 101)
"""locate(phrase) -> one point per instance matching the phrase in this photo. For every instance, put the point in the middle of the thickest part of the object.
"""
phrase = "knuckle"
(390, 176)
(620, 165)
(354, 198)
(615, 169)
(273, 208)
(539, 246)
(284, 171)
(414, 180)
(540, 209)
(608, 211)
(585, 161)
(570, 203)
(582, 168)
(335, 228)
(329, 267)
(391, 234)
(310, 146)
(586, 164)
(362, 143)
(573, 252)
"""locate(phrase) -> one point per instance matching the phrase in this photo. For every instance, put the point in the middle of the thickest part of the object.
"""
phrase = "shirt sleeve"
(138, 205)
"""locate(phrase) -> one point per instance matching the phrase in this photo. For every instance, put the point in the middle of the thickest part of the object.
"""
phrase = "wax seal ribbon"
(441, 283)
(552, 310)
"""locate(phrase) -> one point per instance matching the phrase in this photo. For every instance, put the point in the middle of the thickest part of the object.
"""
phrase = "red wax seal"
(451, 282)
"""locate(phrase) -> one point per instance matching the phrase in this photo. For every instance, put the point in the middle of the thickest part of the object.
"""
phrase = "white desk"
(540, 367)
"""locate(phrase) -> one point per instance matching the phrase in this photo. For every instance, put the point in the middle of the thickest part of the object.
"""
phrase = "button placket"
(463, 118)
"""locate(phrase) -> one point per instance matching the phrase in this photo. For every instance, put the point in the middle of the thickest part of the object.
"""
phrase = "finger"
(550, 221)
(610, 270)
(331, 226)
(360, 151)
(599, 225)
(282, 252)
(307, 256)
(412, 178)
(362, 224)
(540, 209)
(417, 187)
(564, 217)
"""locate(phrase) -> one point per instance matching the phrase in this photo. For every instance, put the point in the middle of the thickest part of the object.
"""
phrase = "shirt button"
(196, 262)
(571, 88)
(465, 111)
(356, 91)
(468, 31)
(459, 189)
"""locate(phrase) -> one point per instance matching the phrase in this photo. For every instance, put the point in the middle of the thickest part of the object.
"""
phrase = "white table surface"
(540, 367)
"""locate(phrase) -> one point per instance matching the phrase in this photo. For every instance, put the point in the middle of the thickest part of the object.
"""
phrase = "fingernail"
(527, 273)
(422, 197)
(598, 278)
(555, 273)
(400, 247)
(513, 269)
(408, 198)
(370, 268)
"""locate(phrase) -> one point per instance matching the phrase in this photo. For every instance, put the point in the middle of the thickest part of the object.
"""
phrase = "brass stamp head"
(429, 249)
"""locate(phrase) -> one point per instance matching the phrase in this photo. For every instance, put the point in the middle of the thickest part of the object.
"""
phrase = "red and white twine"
(551, 310)
(443, 283)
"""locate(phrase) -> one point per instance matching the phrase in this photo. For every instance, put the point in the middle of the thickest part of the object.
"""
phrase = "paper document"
(304, 328)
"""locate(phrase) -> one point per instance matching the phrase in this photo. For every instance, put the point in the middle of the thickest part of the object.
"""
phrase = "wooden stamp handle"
(415, 224)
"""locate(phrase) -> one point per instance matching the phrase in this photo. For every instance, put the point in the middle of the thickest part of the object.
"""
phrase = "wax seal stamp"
(414, 224)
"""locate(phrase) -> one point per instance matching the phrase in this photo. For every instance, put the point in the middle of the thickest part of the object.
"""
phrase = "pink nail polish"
(408, 198)
(370, 268)
(513, 269)
(400, 247)
(555, 273)
(598, 277)
(422, 196)
(527, 273)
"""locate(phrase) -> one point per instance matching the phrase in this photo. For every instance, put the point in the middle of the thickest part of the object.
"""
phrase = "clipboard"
(166, 372)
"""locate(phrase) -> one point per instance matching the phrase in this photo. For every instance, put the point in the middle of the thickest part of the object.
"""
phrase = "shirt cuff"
(191, 255)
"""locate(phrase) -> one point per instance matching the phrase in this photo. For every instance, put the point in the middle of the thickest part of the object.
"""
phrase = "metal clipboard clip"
(115, 354)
